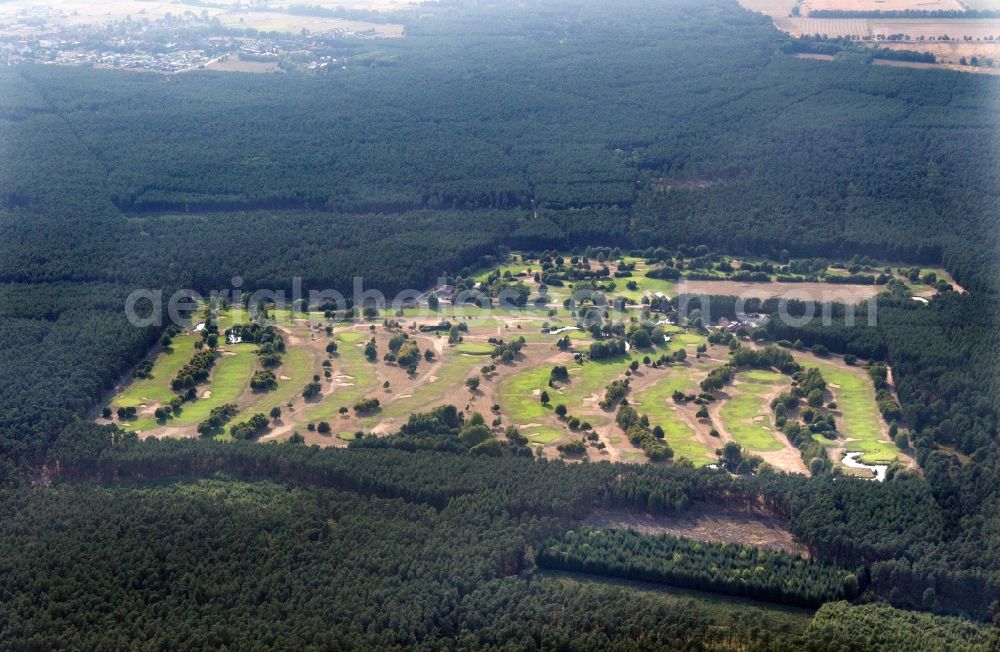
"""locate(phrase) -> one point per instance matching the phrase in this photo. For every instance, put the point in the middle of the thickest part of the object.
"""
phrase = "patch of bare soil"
(930, 66)
(235, 64)
(706, 522)
(818, 292)
(881, 5)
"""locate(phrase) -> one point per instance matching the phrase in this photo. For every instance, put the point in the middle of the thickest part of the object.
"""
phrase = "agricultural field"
(819, 292)
(96, 12)
(349, 363)
(382, 6)
(950, 40)
(881, 5)
(918, 31)
(266, 16)
(267, 21)
(235, 64)
(951, 53)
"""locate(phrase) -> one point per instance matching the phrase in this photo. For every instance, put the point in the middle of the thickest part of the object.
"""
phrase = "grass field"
(656, 402)
(230, 377)
(297, 366)
(449, 378)
(646, 286)
(860, 421)
(474, 348)
(520, 396)
(682, 340)
(351, 360)
(590, 378)
(157, 388)
(515, 388)
(747, 415)
(513, 268)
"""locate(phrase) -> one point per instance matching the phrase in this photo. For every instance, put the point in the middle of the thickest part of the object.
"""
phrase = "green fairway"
(592, 377)
(351, 359)
(451, 313)
(747, 415)
(860, 421)
(230, 377)
(449, 382)
(763, 376)
(683, 340)
(297, 366)
(645, 285)
(656, 401)
(519, 395)
(589, 379)
(157, 388)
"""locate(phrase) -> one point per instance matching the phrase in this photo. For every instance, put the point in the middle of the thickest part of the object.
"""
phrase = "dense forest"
(256, 534)
(540, 125)
(720, 568)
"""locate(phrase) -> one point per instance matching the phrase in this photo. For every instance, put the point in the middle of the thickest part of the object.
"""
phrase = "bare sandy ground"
(705, 522)
(819, 292)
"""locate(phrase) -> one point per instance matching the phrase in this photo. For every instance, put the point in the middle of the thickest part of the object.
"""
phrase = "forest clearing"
(538, 368)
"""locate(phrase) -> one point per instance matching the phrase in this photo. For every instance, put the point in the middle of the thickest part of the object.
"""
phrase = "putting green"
(764, 376)
(542, 435)
(474, 348)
